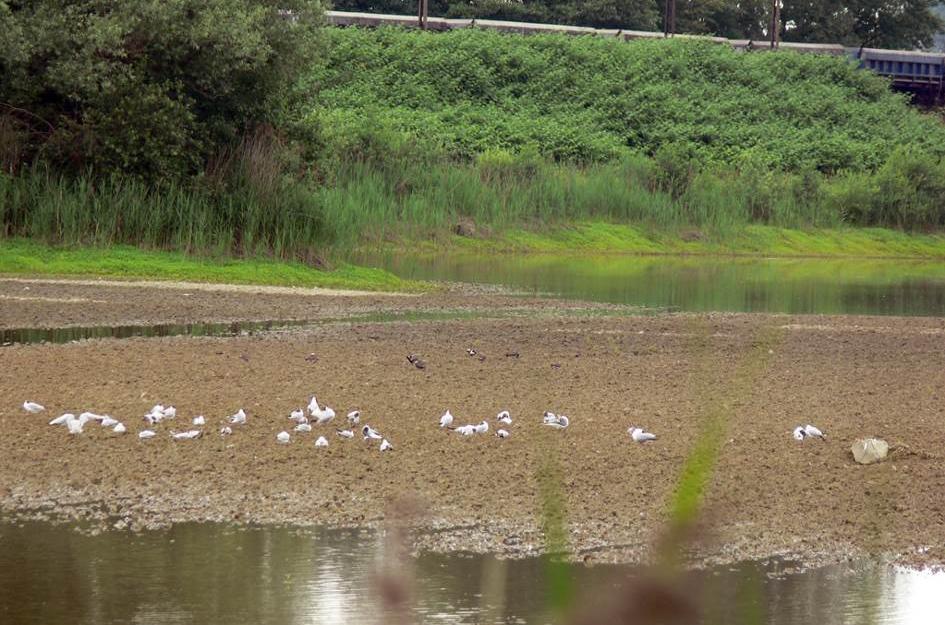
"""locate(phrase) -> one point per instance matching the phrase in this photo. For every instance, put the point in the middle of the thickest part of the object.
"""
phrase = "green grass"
(18, 256)
(749, 240)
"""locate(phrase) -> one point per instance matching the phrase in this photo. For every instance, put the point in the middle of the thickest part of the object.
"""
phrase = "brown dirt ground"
(759, 374)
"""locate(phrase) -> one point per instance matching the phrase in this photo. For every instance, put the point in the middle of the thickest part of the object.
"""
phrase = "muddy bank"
(761, 374)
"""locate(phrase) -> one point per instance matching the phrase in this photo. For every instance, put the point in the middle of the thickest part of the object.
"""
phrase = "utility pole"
(423, 7)
(669, 18)
(775, 22)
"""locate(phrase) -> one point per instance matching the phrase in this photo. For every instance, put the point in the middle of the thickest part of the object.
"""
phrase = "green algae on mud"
(19, 256)
(749, 240)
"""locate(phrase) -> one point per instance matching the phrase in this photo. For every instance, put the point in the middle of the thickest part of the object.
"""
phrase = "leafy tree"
(871, 23)
(147, 87)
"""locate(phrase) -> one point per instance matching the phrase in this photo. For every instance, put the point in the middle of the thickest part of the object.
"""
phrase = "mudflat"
(755, 376)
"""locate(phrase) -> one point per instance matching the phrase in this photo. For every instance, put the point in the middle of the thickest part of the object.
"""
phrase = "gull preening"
(370, 433)
(803, 431)
(446, 420)
(32, 407)
(354, 417)
(345, 433)
(321, 442)
(504, 417)
(145, 434)
(502, 433)
(639, 435)
(322, 415)
(239, 418)
(386, 446)
(559, 423)
(283, 437)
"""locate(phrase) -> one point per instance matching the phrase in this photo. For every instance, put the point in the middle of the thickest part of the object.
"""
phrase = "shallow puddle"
(800, 286)
(209, 574)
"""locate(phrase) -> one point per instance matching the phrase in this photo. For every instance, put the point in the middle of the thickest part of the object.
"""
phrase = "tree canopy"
(147, 87)
(876, 23)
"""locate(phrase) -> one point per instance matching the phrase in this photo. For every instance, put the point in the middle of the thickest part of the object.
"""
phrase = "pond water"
(829, 286)
(209, 574)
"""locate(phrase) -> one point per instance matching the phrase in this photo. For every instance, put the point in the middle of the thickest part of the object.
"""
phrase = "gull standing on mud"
(482, 428)
(354, 417)
(226, 430)
(639, 435)
(502, 433)
(303, 427)
(283, 437)
(32, 407)
(239, 418)
(504, 417)
(199, 420)
(298, 416)
(370, 433)
(446, 420)
(321, 442)
(385, 446)
(346, 433)
(119, 429)
(146, 434)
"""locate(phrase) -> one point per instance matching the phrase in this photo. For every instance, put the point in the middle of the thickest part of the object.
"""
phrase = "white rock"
(119, 428)
(283, 437)
(869, 450)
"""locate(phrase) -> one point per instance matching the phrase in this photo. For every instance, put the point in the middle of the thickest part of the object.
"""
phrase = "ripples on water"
(210, 574)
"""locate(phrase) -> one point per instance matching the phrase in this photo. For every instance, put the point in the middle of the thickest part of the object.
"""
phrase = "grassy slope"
(24, 257)
(750, 240)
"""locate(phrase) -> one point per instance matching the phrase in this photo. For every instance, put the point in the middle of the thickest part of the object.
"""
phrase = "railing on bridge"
(922, 73)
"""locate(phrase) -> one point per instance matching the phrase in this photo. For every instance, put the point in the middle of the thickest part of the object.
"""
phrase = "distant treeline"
(873, 23)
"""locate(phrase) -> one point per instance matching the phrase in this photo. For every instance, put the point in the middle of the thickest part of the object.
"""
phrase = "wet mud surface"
(755, 376)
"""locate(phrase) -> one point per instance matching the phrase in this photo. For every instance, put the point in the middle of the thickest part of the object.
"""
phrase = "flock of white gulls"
(315, 415)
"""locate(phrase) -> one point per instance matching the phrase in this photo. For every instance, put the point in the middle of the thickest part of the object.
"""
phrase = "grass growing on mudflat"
(748, 240)
(25, 257)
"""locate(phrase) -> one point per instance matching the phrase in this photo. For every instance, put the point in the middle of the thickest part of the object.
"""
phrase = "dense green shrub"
(145, 87)
(583, 99)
